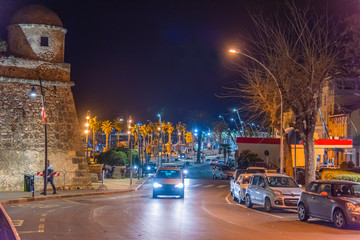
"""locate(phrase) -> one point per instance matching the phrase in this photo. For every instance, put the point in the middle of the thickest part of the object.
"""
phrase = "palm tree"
(189, 139)
(107, 128)
(120, 126)
(135, 130)
(219, 128)
(181, 131)
(144, 131)
(95, 125)
(170, 128)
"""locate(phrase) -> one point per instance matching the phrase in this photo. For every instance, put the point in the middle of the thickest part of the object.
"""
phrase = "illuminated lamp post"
(281, 105)
(159, 115)
(44, 118)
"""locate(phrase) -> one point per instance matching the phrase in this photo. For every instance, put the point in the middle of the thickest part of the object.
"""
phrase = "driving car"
(255, 170)
(333, 200)
(168, 181)
(222, 172)
(234, 178)
(273, 191)
(150, 168)
(240, 186)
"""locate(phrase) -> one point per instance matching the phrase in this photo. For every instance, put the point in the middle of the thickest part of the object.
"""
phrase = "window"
(246, 180)
(169, 174)
(325, 188)
(261, 182)
(44, 41)
(255, 180)
(282, 182)
(313, 187)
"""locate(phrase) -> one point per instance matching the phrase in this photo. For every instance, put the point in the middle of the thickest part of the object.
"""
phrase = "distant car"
(208, 161)
(273, 191)
(234, 178)
(168, 181)
(150, 168)
(182, 156)
(334, 200)
(255, 170)
(222, 172)
(241, 183)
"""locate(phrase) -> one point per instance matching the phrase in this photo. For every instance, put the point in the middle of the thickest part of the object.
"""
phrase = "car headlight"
(157, 185)
(352, 207)
(179, 185)
(185, 171)
(148, 168)
(278, 193)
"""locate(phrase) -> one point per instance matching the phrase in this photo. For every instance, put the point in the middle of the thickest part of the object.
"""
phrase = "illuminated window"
(44, 41)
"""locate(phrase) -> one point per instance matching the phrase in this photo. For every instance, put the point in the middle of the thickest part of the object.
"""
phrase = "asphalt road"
(206, 212)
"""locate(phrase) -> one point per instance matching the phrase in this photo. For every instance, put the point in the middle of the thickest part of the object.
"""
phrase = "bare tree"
(302, 49)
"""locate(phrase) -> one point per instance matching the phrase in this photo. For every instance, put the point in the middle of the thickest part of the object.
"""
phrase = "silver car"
(273, 191)
(334, 200)
(168, 181)
(240, 186)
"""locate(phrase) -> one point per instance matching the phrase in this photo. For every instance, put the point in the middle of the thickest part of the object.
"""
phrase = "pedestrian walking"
(50, 177)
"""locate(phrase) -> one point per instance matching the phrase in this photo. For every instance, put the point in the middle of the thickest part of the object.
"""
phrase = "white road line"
(210, 185)
(243, 206)
(221, 186)
(227, 199)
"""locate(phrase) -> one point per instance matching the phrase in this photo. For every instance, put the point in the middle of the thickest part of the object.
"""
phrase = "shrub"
(340, 175)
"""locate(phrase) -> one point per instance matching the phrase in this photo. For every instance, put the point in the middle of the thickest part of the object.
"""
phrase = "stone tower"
(35, 51)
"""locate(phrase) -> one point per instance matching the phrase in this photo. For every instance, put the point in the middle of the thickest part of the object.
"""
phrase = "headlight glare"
(157, 185)
(179, 185)
(185, 171)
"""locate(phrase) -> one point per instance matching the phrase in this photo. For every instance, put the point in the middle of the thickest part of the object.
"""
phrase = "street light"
(159, 115)
(44, 118)
(87, 135)
(242, 127)
(281, 105)
(130, 147)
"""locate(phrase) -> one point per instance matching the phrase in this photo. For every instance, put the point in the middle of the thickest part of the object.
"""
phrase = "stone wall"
(22, 135)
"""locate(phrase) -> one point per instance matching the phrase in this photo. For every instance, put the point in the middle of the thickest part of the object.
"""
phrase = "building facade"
(34, 53)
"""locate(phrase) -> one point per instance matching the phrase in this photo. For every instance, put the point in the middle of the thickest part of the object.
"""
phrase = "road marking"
(250, 209)
(18, 223)
(44, 214)
(42, 219)
(23, 232)
(221, 186)
(227, 199)
(41, 226)
(210, 185)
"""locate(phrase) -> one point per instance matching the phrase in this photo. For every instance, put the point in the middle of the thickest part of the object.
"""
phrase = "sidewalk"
(112, 185)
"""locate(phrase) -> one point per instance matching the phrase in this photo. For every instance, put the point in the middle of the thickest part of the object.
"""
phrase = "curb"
(43, 198)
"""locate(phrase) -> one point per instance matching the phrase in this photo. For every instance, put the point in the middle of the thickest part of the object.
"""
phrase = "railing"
(65, 177)
(7, 229)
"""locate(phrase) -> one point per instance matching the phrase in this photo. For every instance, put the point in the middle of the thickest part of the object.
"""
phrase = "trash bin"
(28, 183)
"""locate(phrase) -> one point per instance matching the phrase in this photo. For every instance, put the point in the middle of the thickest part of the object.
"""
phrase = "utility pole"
(161, 129)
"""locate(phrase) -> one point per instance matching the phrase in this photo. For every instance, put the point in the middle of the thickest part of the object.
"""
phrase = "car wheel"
(231, 192)
(267, 205)
(214, 177)
(339, 219)
(302, 214)
(222, 177)
(248, 201)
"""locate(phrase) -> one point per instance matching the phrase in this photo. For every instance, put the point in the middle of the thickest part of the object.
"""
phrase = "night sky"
(144, 57)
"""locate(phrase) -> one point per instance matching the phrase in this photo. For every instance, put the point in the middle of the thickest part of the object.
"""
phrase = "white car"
(234, 178)
(273, 191)
(240, 187)
(255, 170)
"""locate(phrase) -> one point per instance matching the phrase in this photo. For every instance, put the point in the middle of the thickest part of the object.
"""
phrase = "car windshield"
(347, 190)
(256, 170)
(246, 180)
(170, 174)
(281, 182)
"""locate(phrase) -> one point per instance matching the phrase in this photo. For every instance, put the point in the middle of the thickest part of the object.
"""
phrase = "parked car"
(168, 181)
(222, 172)
(334, 200)
(273, 191)
(150, 168)
(255, 170)
(234, 178)
(240, 186)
